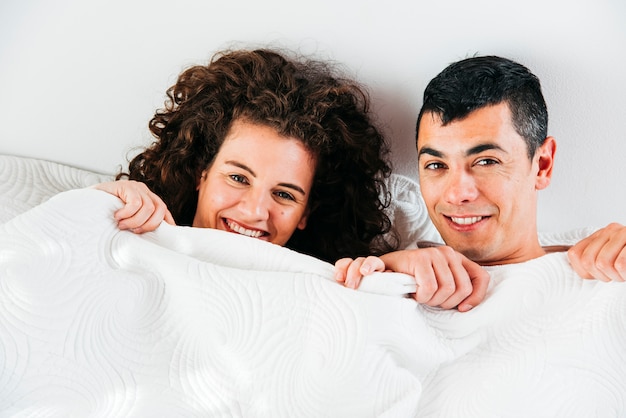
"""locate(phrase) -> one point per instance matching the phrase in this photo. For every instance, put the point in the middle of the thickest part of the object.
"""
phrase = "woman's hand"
(143, 210)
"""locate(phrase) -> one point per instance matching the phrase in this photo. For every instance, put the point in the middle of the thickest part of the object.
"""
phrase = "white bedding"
(188, 322)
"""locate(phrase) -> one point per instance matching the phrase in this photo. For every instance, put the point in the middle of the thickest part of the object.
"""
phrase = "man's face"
(479, 185)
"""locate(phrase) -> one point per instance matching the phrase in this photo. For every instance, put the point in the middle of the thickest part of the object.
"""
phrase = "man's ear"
(545, 163)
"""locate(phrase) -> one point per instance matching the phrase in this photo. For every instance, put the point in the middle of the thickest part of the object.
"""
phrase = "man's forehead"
(488, 125)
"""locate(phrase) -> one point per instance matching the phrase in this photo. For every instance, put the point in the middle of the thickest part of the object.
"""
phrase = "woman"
(293, 138)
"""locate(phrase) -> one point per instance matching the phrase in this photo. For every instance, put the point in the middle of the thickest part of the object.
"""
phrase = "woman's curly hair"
(298, 98)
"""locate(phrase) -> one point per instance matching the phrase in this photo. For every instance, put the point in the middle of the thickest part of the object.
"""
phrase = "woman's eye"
(285, 195)
(239, 178)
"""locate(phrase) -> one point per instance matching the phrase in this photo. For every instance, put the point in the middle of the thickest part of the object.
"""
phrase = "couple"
(286, 151)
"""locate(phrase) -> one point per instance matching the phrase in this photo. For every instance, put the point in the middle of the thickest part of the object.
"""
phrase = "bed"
(191, 322)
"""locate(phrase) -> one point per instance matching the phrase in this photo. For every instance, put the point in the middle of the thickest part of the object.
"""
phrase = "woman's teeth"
(243, 231)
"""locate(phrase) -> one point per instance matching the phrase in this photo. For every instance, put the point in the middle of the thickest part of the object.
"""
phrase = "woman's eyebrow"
(293, 187)
(242, 166)
(253, 174)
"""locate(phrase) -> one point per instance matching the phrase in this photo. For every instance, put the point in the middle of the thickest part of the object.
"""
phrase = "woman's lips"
(252, 233)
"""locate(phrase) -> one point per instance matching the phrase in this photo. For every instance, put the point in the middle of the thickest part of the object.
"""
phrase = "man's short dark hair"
(476, 82)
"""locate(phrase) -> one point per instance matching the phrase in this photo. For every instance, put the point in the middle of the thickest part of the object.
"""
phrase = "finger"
(574, 255)
(353, 275)
(479, 278)
(131, 215)
(154, 219)
(445, 282)
(600, 255)
(426, 282)
(620, 264)
(611, 258)
(132, 204)
(430, 267)
(136, 197)
(582, 257)
(169, 218)
(371, 264)
(463, 286)
(145, 212)
(605, 265)
(341, 269)
(452, 281)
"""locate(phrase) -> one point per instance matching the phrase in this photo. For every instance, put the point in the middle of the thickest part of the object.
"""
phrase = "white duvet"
(191, 322)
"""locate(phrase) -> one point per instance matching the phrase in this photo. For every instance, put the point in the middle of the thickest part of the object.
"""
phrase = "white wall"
(80, 79)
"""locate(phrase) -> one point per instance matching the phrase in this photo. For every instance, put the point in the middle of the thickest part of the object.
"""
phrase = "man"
(483, 156)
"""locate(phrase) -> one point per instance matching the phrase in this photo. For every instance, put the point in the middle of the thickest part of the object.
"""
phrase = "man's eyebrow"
(483, 147)
(249, 170)
(472, 151)
(430, 151)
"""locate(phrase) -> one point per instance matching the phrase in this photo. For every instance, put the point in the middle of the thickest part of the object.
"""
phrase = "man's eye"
(434, 166)
(285, 195)
(486, 161)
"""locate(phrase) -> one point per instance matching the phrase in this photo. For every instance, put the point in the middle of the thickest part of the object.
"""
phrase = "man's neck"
(536, 253)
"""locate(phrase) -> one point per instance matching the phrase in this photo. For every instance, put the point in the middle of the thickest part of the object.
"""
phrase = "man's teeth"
(466, 221)
(243, 231)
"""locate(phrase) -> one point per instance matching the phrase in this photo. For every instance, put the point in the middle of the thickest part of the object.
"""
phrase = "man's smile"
(466, 220)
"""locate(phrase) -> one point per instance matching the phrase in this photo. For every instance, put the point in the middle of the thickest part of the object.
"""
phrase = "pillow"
(407, 212)
(27, 182)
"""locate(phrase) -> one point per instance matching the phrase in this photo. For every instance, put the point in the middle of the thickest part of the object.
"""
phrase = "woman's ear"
(303, 220)
(201, 178)
(545, 162)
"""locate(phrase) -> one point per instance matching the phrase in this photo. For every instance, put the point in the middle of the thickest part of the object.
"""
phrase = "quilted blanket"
(188, 322)
(193, 322)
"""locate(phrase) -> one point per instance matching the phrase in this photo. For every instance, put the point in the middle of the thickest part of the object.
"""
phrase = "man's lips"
(465, 223)
(465, 220)
(252, 233)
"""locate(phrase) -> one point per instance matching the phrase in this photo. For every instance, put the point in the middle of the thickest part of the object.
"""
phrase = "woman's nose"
(255, 204)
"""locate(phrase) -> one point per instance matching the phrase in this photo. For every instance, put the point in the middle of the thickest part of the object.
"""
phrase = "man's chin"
(472, 250)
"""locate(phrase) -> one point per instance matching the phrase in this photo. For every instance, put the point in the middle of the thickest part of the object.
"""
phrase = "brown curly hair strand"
(304, 99)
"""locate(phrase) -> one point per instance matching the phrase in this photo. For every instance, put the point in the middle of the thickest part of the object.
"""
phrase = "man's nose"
(461, 187)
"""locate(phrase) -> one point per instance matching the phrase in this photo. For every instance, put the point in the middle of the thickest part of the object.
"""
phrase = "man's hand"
(143, 210)
(602, 255)
(444, 277)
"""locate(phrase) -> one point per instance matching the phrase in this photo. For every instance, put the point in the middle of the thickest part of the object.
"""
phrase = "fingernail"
(366, 268)
(465, 308)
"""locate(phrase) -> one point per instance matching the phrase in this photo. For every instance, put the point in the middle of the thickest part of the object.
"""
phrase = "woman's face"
(258, 185)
